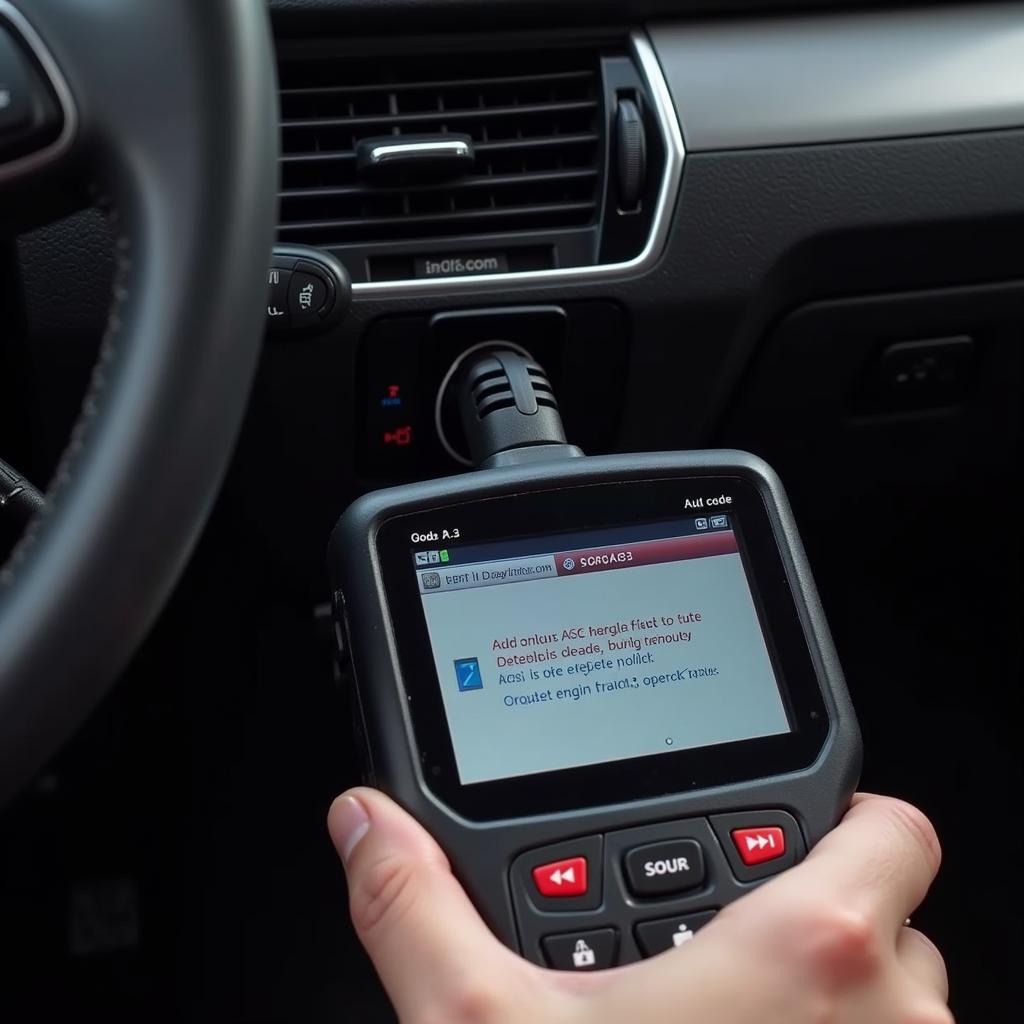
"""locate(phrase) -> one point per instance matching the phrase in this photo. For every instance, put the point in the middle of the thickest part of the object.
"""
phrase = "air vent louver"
(535, 119)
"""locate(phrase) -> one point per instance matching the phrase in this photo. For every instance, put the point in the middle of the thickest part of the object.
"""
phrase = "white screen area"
(558, 660)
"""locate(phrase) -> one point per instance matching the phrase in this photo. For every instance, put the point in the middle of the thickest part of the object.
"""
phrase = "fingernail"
(350, 822)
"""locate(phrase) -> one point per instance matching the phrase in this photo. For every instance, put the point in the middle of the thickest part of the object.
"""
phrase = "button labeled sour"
(658, 869)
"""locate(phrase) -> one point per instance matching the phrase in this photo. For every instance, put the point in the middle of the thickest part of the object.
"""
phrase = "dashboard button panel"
(309, 291)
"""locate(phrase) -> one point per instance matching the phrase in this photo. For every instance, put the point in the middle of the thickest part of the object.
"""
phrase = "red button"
(756, 845)
(562, 878)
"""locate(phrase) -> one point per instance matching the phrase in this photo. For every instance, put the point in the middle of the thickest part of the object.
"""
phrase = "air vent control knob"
(631, 154)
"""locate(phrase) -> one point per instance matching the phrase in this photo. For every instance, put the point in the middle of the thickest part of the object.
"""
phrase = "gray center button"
(659, 869)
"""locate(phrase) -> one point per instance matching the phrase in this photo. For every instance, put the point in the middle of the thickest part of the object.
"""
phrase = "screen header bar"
(498, 572)
(551, 544)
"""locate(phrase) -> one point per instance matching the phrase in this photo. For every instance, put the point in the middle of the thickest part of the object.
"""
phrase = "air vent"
(536, 122)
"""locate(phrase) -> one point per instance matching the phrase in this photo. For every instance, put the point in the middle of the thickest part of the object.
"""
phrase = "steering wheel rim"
(175, 130)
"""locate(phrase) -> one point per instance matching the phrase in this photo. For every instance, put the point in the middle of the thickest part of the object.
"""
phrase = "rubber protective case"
(481, 853)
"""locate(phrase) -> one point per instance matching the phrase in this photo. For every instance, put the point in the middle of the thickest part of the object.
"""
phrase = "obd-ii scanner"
(605, 685)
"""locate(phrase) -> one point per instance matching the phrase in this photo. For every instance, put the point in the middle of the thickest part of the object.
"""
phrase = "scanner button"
(654, 937)
(659, 869)
(582, 951)
(757, 845)
(562, 877)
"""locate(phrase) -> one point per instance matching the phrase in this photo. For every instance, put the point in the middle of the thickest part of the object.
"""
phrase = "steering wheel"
(167, 112)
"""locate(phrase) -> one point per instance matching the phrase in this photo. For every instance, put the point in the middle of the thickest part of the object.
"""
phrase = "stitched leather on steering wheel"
(177, 122)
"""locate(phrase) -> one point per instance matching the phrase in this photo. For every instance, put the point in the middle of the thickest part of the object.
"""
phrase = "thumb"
(431, 949)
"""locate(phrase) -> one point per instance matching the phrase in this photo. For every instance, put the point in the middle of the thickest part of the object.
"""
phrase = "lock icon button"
(582, 951)
(583, 955)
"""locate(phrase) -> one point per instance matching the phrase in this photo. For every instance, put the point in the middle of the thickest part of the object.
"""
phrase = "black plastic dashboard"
(826, 155)
(916, 182)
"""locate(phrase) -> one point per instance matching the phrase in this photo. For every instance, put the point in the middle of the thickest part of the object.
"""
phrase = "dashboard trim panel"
(792, 80)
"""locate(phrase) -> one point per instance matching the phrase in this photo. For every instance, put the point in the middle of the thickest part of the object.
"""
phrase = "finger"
(922, 961)
(424, 936)
(880, 860)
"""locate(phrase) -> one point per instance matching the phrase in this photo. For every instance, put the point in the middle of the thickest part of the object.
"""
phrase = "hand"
(825, 941)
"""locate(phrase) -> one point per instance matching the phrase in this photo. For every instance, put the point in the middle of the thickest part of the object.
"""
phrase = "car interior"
(246, 247)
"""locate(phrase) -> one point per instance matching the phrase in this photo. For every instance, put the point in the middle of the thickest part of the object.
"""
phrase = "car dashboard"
(796, 233)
